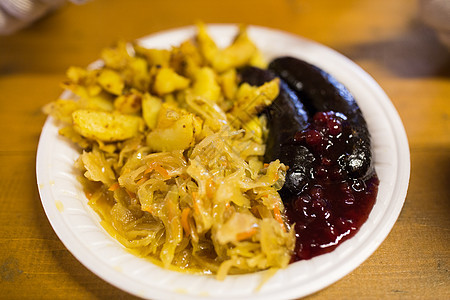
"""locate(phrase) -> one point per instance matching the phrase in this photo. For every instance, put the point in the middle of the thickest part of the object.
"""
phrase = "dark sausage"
(319, 91)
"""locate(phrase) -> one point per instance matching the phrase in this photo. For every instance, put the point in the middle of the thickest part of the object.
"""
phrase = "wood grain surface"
(386, 38)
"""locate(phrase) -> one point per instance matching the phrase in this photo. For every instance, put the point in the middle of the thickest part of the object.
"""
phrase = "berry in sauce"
(332, 206)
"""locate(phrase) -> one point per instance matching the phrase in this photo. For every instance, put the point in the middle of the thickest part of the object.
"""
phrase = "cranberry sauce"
(332, 206)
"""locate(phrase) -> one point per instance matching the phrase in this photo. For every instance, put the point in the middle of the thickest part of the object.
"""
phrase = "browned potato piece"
(116, 57)
(250, 100)
(205, 84)
(77, 74)
(137, 74)
(239, 53)
(168, 81)
(106, 126)
(155, 57)
(168, 115)
(228, 81)
(111, 81)
(186, 59)
(207, 46)
(129, 103)
(179, 136)
(258, 60)
(151, 107)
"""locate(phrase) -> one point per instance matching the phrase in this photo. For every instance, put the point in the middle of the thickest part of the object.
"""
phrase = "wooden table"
(384, 37)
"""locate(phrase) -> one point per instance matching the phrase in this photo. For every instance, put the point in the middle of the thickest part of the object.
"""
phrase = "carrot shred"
(210, 188)
(131, 194)
(142, 180)
(185, 221)
(277, 215)
(246, 234)
(194, 200)
(114, 187)
(147, 209)
(162, 171)
(157, 167)
(148, 170)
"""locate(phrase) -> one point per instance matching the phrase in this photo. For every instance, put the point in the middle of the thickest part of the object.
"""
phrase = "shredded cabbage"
(203, 203)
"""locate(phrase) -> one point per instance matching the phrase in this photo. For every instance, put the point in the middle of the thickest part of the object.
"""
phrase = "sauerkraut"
(171, 160)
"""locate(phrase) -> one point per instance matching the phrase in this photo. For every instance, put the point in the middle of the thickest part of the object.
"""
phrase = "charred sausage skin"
(320, 92)
(317, 129)
(306, 90)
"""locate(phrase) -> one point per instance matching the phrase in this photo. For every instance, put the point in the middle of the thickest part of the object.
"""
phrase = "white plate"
(78, 226)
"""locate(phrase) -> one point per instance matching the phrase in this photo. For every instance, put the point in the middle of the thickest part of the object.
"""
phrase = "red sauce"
(332, 207)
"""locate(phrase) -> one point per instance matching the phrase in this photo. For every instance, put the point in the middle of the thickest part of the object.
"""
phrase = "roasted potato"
(106, 126)
(111, 81)
(178, 136)
(168, 81)
(150, 110)
(206, 85)
(129, 103)
(250, 100)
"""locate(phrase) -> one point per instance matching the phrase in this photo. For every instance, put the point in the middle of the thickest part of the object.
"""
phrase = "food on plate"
(203, 160)
(319, 92)
(172, 149)
(318, 131)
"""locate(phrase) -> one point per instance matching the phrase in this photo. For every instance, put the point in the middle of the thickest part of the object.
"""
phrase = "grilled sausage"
(319, 91)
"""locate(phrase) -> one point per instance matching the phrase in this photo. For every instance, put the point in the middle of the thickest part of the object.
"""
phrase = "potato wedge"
(129, 103)
(239, 53)
(106, 126)
(116, 57)
(151, 107)
(168, 81)
(155, 57)
(229, 83)
(179, 136)
(136, 74)
(186, 59)
(250, 100)
(205, 84)
(111, 81)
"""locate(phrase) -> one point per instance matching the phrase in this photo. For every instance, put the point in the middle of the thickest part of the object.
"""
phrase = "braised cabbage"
(172, 150)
